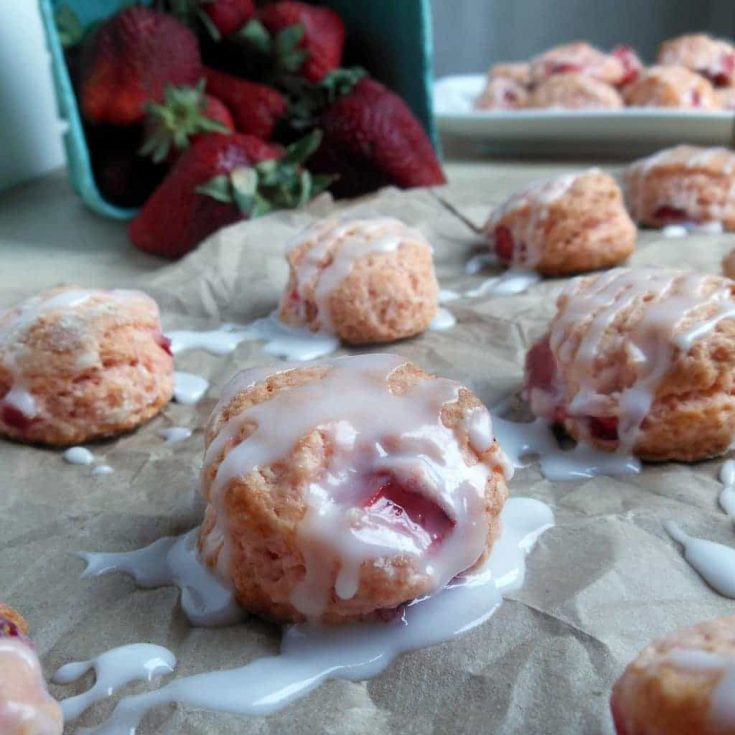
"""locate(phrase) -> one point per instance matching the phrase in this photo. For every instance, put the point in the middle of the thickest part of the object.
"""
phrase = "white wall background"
(469, 35)
(30, 131)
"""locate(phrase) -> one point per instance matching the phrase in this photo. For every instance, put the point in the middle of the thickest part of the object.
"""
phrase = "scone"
(728, 264)
(80, 364)
(502, 94)
(342, 490)
(568, 224)
(574, 91)
(364, 280)
(578, 57)
(710, 57)
(26, 707)
(642, 362)
(683, 684)
(517, 71)
(683, 184)
(670, 86)
(725, 97)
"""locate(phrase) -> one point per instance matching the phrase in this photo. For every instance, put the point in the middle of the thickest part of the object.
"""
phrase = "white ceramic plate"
(630, 131)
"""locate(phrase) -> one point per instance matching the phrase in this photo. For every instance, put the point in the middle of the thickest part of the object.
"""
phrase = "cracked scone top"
(685, 183)
(342, 490)
(640, 361)
(566, 224)
(77, 364)
(365, 280)
(683, 684)
(574, 91)
(26, 707)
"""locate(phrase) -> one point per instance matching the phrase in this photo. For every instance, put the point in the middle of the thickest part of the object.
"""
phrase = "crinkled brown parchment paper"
(600, 585)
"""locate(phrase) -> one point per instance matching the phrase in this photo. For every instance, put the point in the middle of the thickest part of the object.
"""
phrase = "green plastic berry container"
(390, 38)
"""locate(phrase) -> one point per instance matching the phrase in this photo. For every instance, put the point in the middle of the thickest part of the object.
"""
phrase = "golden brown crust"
(696, 181)
(386, 295)
(264, 508)
(655, 696)
(585, 229)
(670, 86)
(574, 91)
(14, 617)
(97, 371)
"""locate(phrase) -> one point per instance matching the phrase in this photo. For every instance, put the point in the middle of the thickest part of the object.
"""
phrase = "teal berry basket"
(390, 38)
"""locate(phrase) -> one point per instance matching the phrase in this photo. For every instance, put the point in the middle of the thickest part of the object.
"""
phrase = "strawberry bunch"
(205, 112)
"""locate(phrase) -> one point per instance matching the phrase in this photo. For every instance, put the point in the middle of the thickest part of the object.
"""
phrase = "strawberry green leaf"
(255, 34)
(301, 150)
(69, 26)
(321, 182)
(218, 188)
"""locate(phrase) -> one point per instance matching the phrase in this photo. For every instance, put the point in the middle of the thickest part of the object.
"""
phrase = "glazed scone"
(616, 68)
(342, 490)
(710, 57)
(728, 264)
(683, 684)
(26, 707)
(79, 364)
(725, 97)
(683, 184)
(517, 71)
(365, 280)
(502, 94)
(641, 362)
(670, 86)
(575, 92)
(568, 224)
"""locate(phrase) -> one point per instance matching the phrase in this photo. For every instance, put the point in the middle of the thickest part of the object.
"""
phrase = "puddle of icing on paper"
(312, 654)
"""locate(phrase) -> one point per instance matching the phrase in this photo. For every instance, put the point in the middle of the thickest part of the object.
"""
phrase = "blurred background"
(468, 36)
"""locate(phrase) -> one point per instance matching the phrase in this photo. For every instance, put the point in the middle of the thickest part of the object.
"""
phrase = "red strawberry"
(185, 113)
(122, 175)
(220, 17)
(219, 180)
(300, 38)
(372, 139)
(130, 59)
(255, 107)
(228, 16)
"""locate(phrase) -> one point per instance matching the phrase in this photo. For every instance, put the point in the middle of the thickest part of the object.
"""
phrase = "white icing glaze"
(523, 440)
(102, 469)
(722, 699)
(189, 388)
(512, 281)
(313, 654)
(173, 560)
(727, 496)
(675, 312)
(538, 197)
(174, 434)
(20, 399)
(479, 262)
(281, 340)
(332, 248)
(377, 436)
(113, 669)
(686, 228)
(675, 231)
(714, 562)
(444, 319)
(446, 296)
(78, 455)
(29, 709)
